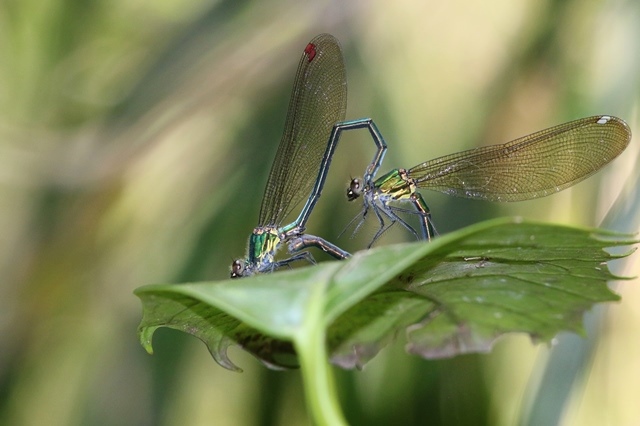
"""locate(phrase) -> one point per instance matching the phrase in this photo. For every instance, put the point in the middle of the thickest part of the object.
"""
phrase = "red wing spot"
(310, 51)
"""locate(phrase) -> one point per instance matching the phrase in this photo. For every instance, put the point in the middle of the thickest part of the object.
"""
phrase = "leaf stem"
(317, 378)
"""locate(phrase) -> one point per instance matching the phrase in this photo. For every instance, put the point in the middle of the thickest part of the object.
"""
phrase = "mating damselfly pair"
(532, 166)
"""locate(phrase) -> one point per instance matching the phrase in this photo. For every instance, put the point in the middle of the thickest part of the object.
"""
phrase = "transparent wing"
(318, 101)
(533, 166)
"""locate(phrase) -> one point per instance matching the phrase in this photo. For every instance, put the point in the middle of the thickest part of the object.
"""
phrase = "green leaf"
(454, 295)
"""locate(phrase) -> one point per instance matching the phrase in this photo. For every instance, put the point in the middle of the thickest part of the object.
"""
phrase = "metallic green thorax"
(262, 245)
(395, 184)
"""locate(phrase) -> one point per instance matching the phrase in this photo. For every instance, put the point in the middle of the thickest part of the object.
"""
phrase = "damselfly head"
(355, 189)
(237, 268)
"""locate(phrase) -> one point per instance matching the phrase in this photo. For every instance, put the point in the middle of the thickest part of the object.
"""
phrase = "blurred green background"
(135, 142)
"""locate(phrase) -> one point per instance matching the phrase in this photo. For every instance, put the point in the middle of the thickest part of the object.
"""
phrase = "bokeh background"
(135, 142)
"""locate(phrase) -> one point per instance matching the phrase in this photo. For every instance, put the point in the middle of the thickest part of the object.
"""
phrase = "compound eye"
(354, 190)
(237, 269)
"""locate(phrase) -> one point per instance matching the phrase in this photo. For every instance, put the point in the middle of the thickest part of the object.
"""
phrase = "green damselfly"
(532, 166)
(315, 116)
